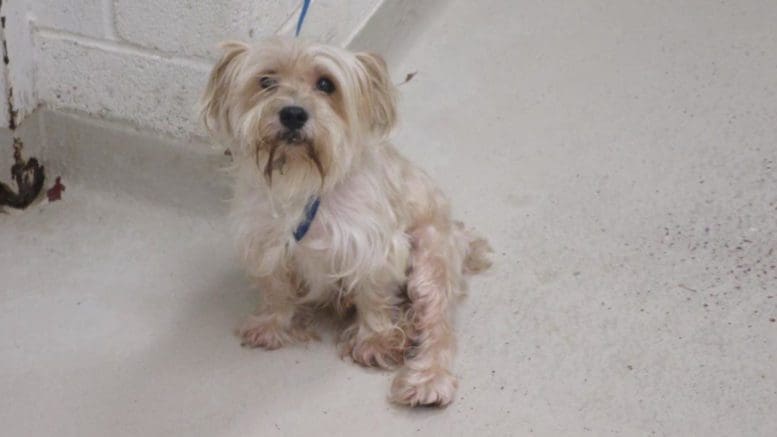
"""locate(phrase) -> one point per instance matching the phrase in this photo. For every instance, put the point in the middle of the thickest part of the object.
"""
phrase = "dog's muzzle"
(292, 136)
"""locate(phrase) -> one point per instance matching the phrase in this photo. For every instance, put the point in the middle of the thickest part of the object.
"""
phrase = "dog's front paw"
(431, 387)
(268, 332)
(385, 350)
(263, 331)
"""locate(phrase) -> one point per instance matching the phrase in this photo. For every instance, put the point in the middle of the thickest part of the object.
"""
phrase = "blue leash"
(305, 4)
(312, 206)
(310, 213)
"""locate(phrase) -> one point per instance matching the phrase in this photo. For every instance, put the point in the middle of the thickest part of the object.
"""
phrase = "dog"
(327, 213)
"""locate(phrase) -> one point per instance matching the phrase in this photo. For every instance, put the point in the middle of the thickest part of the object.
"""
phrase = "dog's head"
(301, 113)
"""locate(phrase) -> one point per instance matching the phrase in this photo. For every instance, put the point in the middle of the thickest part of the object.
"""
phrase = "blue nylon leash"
(312, 206)
(303, 12)
(310, 213)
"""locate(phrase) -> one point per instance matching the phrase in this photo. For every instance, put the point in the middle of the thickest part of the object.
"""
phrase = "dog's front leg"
(279, 319)
(376, 338)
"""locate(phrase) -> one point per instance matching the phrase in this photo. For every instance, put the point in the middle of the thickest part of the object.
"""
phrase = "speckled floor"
(622, 158)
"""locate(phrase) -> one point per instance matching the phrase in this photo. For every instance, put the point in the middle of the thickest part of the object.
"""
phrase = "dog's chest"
(346, 246)
(318, 260)
(315, 255)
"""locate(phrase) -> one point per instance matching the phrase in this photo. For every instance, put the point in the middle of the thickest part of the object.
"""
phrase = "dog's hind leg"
(433, 284)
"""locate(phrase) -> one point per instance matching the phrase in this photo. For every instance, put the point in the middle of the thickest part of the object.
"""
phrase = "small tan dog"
(327, 212)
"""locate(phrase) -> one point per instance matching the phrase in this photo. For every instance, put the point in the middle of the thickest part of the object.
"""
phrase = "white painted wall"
(146, 61)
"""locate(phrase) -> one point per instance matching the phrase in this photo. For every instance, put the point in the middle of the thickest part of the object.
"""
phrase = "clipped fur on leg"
(435, 281)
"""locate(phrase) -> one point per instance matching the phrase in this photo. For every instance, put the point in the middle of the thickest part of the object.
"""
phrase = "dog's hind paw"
(433, 387)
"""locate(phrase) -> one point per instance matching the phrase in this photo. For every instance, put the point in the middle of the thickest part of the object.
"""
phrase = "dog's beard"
(277, 155)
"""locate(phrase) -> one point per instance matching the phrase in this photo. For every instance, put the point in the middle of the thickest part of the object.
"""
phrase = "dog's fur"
(383, 241)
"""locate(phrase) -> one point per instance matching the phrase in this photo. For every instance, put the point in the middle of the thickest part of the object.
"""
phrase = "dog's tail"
(476, 252)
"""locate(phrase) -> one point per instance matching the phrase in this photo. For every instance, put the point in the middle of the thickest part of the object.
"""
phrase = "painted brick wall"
(146, 61)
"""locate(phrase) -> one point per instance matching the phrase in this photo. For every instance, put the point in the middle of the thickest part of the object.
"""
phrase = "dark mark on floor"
(29, 177)
(55, 192)
(408, 78)
(685, 287)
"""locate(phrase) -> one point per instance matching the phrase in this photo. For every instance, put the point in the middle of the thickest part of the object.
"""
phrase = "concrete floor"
(622, 158)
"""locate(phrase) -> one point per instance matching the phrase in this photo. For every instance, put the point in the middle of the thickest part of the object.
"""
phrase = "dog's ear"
(380, 93)
(214, 107)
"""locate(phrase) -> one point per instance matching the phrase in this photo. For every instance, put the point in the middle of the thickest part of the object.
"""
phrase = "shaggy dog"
(328, 214)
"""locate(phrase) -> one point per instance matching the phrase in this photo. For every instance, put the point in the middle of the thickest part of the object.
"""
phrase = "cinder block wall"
(145, 61)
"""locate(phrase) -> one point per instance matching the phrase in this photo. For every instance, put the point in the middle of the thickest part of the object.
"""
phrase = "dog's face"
(298, 112)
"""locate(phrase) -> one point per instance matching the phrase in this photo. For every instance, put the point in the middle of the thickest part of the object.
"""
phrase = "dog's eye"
(325, 85)
(267, 82)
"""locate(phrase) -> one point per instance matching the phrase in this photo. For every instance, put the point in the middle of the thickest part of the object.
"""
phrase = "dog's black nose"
(293, 117)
